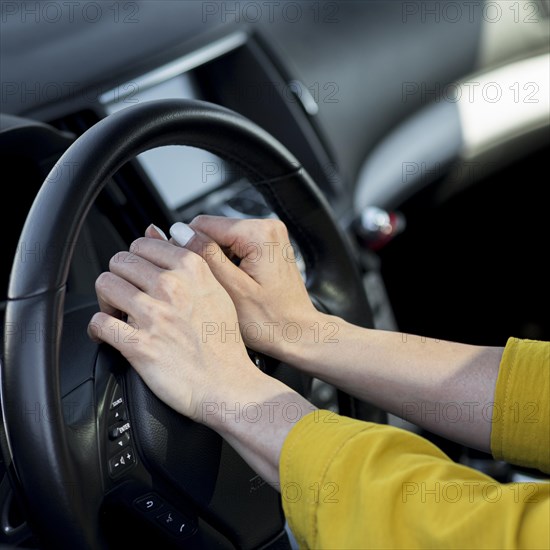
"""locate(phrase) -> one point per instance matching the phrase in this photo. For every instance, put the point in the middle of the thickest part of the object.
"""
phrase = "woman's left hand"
(181, 333)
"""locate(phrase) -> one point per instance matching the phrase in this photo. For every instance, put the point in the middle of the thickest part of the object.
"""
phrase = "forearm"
(257, 420)
(445, 387)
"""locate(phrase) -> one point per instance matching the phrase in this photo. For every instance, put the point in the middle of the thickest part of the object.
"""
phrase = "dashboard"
(329, 79)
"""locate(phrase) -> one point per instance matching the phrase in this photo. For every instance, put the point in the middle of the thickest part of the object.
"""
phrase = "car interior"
(404, 144)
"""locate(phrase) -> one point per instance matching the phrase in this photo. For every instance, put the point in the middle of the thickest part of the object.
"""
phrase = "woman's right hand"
(274, 308)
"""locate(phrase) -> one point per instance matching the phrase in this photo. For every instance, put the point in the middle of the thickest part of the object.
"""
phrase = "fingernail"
(181, 233)
(159, 231)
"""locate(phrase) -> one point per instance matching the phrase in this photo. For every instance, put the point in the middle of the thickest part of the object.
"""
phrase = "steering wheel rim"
(36, 294)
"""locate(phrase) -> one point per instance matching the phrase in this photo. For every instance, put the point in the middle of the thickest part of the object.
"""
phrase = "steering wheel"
(92, 451)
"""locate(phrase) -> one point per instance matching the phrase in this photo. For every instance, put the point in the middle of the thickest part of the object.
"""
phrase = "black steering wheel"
(91, 449)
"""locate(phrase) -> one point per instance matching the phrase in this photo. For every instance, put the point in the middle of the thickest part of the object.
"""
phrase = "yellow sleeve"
(521, 415)
(352, 484)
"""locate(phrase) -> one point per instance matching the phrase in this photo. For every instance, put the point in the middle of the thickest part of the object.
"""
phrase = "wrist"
(318, 344)
(258, 420)
(260, 403)
(294, 334)
(240, 399)
(257, 425)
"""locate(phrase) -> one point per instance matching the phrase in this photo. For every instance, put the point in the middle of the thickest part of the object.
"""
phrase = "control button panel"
(149, 503)
(123, 441)
(118, 415)
(121, 461)
(117, 402)
(171, 520)
(175, 523)
(121, 456)
(117, 398)
(116, 430)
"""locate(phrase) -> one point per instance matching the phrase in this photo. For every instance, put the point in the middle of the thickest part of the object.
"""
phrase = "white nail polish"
(160, 232)
(181, 233)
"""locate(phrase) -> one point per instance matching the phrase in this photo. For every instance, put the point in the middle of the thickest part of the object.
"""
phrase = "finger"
(199, 243)
(116, 294)
(160, 253)
(229, 233)
(154, 232)
(225, 271)
(106, 307)
(247, 239)
(107, 329)
(185, 236)
(263, 245)
(135, 269)
(109, 309)
(182, 233)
